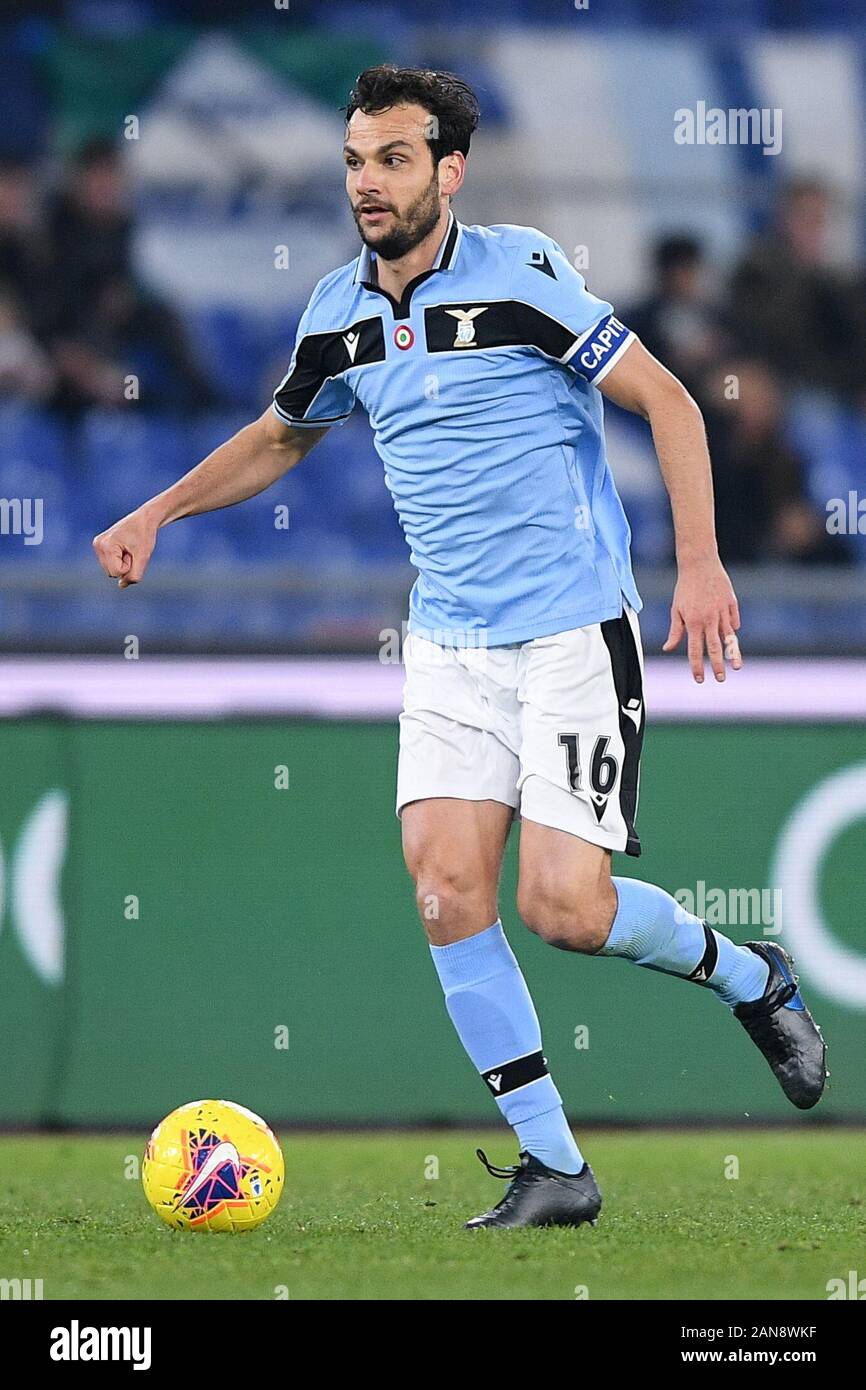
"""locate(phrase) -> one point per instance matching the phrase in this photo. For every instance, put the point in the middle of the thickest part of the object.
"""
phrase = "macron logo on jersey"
(594, 354)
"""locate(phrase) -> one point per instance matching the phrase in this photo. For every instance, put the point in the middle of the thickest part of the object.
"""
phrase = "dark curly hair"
(451, 102)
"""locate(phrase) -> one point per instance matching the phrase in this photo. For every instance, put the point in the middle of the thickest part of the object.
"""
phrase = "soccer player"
(481, 359)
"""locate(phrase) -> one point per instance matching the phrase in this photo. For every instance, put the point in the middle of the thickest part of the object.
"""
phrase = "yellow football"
(213, 1166)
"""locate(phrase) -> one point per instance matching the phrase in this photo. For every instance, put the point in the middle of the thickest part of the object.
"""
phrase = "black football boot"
(782, 1027)
(541, 1196)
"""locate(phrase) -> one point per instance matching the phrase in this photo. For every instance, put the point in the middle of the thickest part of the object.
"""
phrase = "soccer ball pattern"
(213, 1166)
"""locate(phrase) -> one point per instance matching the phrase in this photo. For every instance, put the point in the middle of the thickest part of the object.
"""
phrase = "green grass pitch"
(360, 1219)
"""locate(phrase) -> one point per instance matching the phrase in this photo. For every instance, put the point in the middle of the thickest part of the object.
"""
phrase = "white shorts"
(552, 727)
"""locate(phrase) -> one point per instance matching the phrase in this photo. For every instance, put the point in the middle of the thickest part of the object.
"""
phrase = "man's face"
(392, 185)
(684, 280)
(100, 188)
(806, 220)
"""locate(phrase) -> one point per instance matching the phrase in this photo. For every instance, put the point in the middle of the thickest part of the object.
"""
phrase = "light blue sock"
(491, 1008)
(652, 929)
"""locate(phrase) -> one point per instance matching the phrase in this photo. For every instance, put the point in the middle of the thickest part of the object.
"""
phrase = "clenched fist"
(125, 548)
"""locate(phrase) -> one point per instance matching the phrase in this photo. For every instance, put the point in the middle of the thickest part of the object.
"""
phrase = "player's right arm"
(245, 465)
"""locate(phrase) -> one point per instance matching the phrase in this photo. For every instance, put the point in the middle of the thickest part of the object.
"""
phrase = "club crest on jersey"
(403, 337)
(465, 325)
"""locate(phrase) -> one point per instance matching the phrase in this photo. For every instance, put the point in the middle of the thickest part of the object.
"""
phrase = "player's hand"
(125, 548)
(705, 607)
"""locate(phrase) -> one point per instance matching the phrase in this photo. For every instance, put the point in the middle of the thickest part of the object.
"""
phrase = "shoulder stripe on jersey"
(320, 357)
(499, 323)
(494, 323)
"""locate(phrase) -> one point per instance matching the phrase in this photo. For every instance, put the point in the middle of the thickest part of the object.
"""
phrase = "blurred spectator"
(26, 267)
(90, 227)
(124, 334)
(26, 372)
(794, 310)
(108, 327)
(762, 510)
(680, 323)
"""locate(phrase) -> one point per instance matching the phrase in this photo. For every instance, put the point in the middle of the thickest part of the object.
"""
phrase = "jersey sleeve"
(577, 329)
(313, 393)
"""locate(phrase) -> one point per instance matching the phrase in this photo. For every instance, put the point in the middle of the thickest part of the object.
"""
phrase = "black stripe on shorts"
(628, 684)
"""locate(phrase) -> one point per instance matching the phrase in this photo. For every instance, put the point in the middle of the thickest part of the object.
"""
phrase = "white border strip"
(363, 688)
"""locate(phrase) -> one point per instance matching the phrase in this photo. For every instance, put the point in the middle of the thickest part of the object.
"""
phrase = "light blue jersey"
(481, 389)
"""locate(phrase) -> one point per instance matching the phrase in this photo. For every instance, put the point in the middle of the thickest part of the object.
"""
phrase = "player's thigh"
(453, 849)
(565, 893)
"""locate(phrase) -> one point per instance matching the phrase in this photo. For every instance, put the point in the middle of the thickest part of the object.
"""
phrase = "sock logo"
(709, 960)
(520, 1071)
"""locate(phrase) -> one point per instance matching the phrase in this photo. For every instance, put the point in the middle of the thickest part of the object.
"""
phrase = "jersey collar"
(446, 258)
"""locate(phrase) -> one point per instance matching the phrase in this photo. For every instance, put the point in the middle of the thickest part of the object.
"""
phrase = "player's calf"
(571, 917)
(454, 851)
(565, 894)
(755, 980)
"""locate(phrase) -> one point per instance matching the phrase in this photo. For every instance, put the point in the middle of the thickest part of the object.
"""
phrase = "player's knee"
(570, 919)
(448, 898)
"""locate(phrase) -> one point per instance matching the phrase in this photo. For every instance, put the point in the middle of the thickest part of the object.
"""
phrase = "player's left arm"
(704, 604)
